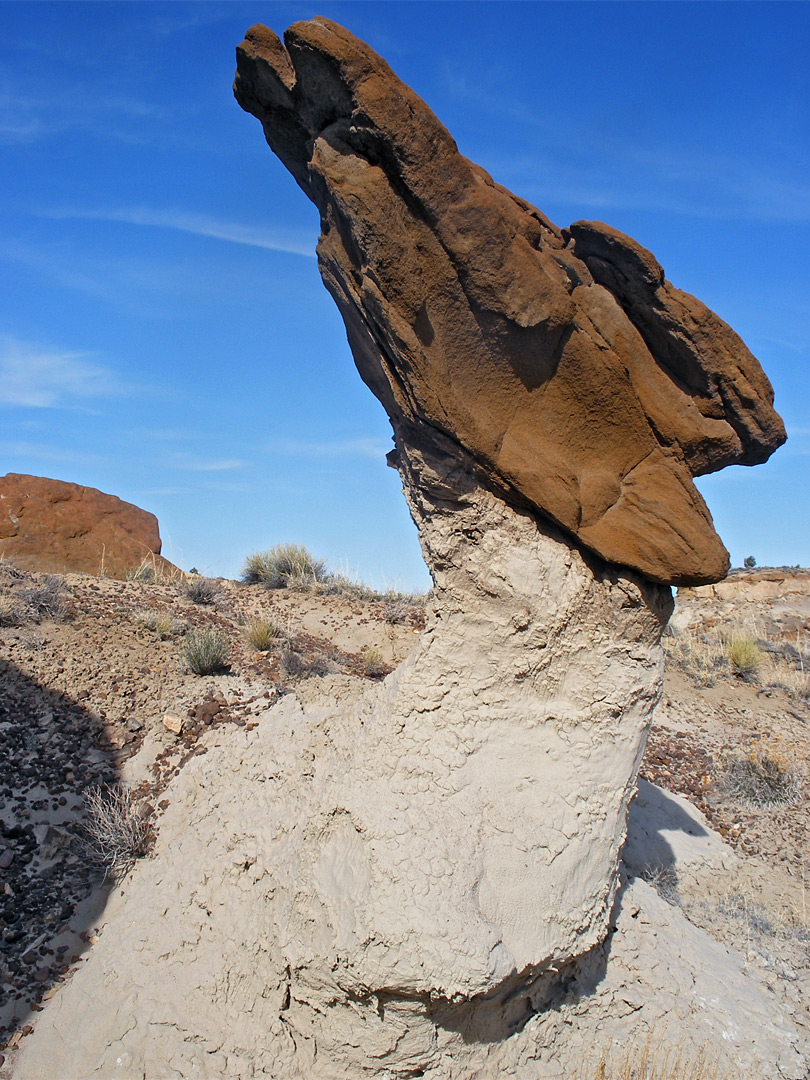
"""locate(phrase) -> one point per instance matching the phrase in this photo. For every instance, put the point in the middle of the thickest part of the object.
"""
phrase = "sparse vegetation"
(779, 672)
(664, 879)
(116, 829)
(701, 658)
(284, 566)
(205, 652)
(743, 654)
(373, 663)
(153, 572)
(655, 1064)
(162, 623)
(8, 611)
(202, 590)
(49, 599)
(764, 776)
(262, 634)
(749, 562)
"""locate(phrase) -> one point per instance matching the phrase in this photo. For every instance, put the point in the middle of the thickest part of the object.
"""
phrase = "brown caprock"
(583, 383)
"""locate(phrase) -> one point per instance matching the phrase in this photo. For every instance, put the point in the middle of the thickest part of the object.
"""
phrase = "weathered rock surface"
(583, 383)
(424, 880)
(57, 527)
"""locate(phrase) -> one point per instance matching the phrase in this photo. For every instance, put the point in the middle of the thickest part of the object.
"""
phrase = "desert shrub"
(8, 611)
(162, 623)
(262, 634)
(749, 562)
(202, 590)
(664, 879)
(50, 599)
(205, 652)
(702, 659)
(373, 663)
(284, 566)
(743, 654)
(764, 776)
(116, 831)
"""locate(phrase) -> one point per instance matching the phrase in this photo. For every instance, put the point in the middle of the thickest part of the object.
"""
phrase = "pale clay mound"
(199, 977)
(197, 973)
(691, 721)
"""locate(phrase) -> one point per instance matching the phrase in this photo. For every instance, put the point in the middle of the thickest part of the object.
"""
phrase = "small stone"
(174, 723)
(42, 975)
(6, 859)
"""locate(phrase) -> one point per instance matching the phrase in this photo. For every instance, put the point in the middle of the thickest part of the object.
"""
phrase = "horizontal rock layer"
(582, 382)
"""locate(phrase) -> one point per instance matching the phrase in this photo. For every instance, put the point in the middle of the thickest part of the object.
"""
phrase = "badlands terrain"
(94, 692)
(362, 850)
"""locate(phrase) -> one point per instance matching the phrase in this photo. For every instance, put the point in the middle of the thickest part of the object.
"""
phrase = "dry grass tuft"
(373, 663)
(744, 655)
(202, 590)
(151, 572)
(766, 775)
(779, 672)
(656, 1064)
(284, 566)
(701, 658)
(262, 634)
(205, 652)
(8, 611)
(162, 623)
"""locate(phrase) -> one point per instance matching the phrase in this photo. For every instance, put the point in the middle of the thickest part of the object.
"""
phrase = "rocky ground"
(96, 692)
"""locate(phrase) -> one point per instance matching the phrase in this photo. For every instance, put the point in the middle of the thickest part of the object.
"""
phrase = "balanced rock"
(584, 384)
(423, 882)
(57, 527)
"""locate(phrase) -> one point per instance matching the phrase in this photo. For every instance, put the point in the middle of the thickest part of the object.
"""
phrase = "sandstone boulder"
(582, 382)
(57, 527)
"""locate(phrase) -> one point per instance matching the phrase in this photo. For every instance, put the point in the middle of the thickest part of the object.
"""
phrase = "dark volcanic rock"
(56, 527)
(582, 382)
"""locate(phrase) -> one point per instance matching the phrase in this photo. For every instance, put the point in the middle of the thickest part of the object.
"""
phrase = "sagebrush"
(205, 652)
(116, 829)
(764, 775)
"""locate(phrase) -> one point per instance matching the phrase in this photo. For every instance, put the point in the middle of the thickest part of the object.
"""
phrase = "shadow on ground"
(51, 894)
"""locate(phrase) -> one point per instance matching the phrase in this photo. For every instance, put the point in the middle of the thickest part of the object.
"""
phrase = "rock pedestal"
(394, 887)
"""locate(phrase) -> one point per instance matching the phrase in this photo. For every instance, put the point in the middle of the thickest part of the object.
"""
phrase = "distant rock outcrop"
(57, 527)
(582, 382)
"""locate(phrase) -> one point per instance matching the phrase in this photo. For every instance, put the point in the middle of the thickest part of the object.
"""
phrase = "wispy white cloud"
(41, 377)
(273, 238)
(362, 448)
(223, 465)
(14, 450)
(42, 112)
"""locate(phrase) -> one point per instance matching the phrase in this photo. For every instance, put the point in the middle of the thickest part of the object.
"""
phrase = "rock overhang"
(584, 385)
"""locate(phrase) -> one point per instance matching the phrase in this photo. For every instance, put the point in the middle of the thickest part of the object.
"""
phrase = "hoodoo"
(424, 881)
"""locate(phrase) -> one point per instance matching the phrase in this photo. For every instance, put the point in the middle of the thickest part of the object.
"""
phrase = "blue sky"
(164, 334)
